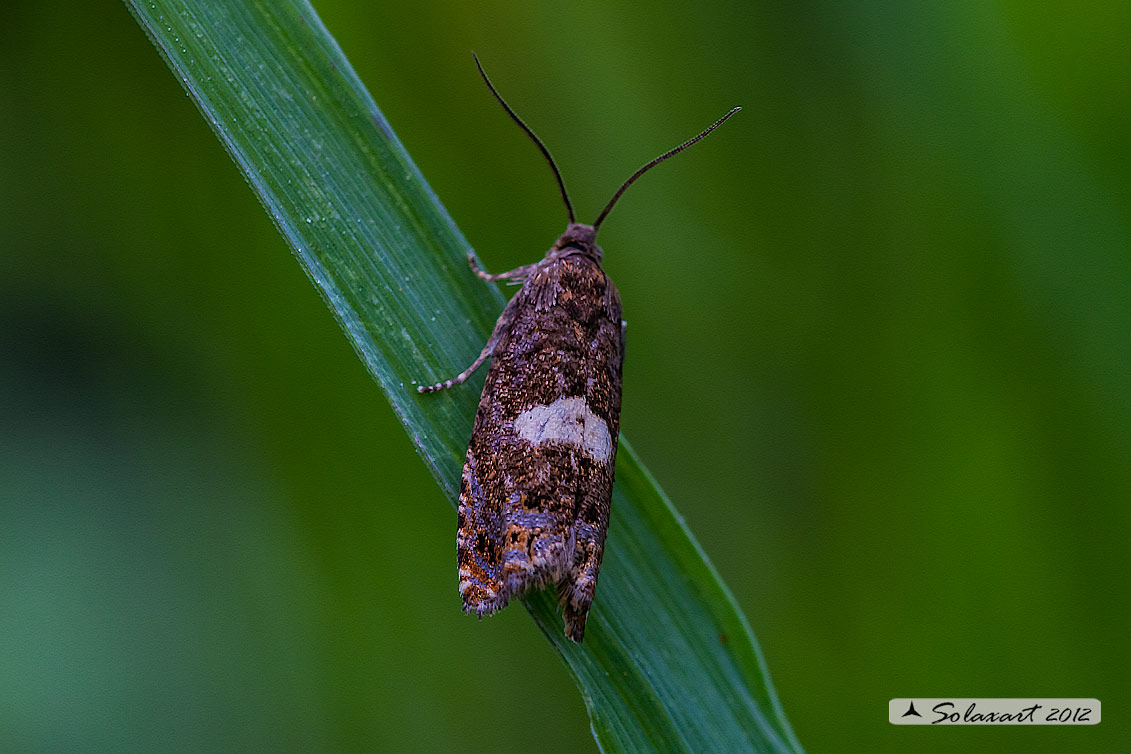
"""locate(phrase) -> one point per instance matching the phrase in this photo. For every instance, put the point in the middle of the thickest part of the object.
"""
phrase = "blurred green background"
(879, 356)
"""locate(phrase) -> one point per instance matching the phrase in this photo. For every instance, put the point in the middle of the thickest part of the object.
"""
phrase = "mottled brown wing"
(534, 497)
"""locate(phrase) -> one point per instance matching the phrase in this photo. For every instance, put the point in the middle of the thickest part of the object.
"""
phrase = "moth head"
(578, 238)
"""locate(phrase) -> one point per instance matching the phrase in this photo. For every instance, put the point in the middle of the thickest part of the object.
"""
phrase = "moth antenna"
(537, 142)
(645, 168)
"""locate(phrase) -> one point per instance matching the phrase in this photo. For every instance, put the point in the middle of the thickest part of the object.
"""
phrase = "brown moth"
(534, 496)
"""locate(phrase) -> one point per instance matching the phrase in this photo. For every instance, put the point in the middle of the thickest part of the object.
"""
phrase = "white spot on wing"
(570, 421)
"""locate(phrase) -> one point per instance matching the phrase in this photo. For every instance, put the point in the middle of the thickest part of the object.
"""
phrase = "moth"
(538, 478)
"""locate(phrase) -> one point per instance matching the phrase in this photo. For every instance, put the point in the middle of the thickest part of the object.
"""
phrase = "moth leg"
(517, 274)
(462, 376)
(500, 326)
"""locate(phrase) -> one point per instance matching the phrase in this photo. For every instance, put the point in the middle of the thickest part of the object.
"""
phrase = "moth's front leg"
(518, 274)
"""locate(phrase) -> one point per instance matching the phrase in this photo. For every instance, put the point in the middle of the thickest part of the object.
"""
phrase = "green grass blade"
(669, 663)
